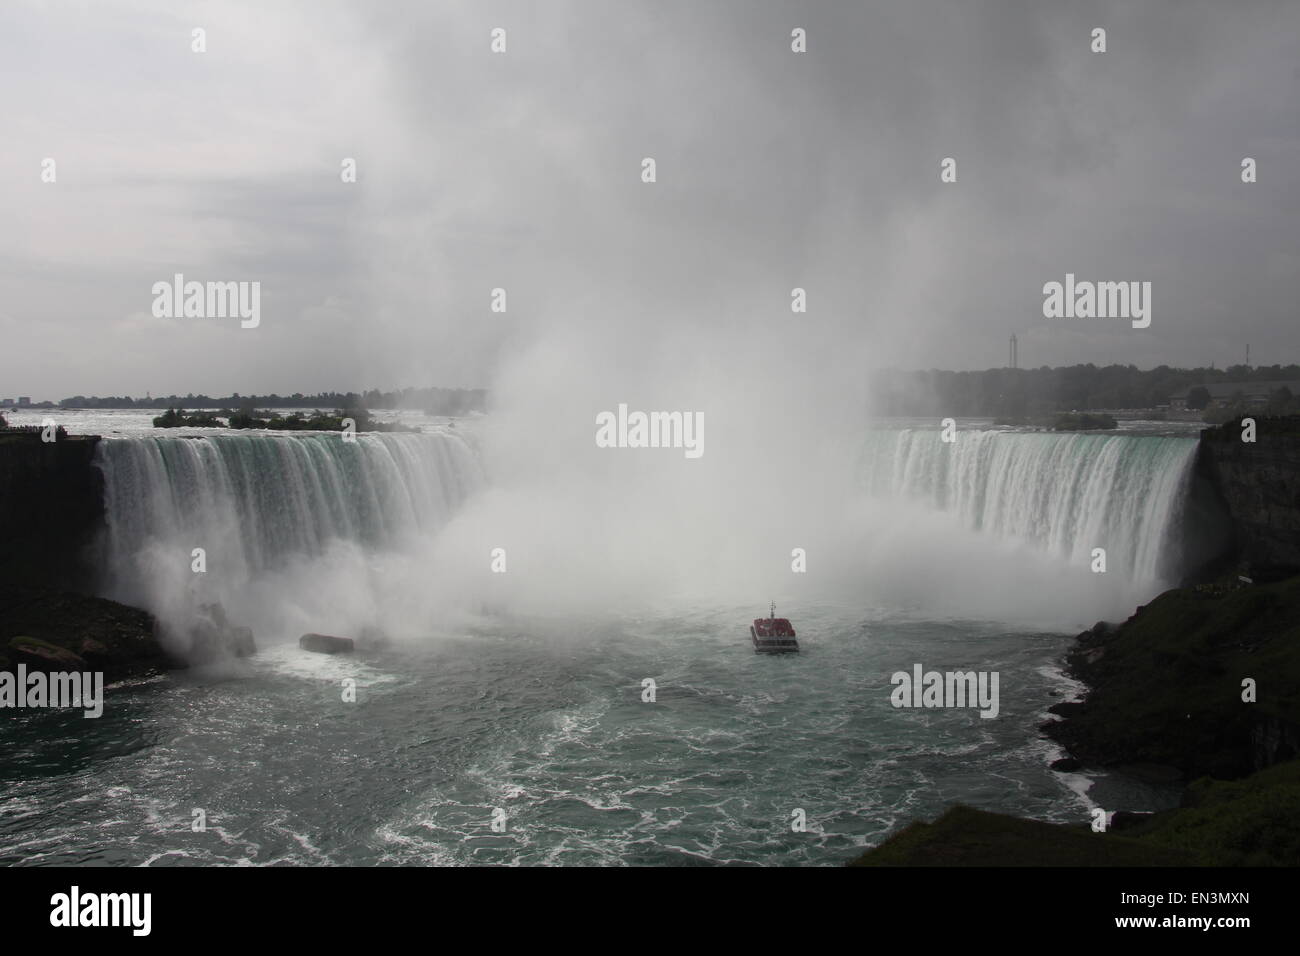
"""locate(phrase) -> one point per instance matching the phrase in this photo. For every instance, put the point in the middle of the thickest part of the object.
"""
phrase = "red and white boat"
(773, 635)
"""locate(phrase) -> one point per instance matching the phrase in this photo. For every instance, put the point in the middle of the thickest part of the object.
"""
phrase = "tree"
(1281, 401)
(1198, 398)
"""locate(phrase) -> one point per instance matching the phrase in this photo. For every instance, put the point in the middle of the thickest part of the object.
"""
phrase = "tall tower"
(1014, 356)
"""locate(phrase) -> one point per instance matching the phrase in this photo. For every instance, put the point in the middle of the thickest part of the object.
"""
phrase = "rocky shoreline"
(1167, 686)
(1200, 685)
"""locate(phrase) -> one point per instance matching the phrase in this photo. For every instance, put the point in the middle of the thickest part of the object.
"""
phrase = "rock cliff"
(51, 508)
(1259, 485)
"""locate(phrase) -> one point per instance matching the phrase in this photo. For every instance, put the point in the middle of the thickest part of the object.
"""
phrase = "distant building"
(1221, 393)
(6, 403)
(24, 401)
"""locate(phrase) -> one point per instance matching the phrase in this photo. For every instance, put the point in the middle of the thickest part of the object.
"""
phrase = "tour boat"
(773, 635)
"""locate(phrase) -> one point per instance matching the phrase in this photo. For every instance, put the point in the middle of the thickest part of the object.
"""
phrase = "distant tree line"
(1026, 392)
(293, 422)
(435, 401)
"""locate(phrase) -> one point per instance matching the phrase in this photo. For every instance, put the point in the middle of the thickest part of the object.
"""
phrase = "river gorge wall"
(1258, 486)
(51, 509)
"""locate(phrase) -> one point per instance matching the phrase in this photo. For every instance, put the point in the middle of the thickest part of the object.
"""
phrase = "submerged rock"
(326, 644)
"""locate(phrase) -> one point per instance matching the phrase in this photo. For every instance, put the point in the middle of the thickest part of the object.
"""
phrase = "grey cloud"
(775, 170)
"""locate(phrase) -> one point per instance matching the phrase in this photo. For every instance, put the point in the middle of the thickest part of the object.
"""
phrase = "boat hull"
(773, 645)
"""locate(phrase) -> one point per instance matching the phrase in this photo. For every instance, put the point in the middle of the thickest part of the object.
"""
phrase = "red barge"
(773, 635)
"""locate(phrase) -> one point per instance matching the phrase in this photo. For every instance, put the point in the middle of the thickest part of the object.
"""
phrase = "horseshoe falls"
(1062, 494)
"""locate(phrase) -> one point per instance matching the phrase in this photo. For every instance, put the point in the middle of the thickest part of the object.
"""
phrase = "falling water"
(256, 504)
(1065, 493)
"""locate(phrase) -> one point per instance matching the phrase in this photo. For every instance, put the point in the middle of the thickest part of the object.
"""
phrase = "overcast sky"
(523, 170)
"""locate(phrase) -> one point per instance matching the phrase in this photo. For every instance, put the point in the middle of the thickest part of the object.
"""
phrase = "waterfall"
(259, 504)
(1064, 493)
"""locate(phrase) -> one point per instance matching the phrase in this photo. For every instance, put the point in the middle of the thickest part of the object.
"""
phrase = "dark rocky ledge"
(51, 522)
(1166, 685)
(48, 629)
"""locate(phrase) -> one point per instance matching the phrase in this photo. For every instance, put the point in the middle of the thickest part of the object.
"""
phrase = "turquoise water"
(546, 722)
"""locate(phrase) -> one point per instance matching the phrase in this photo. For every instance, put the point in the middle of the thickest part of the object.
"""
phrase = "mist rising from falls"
(298, 531)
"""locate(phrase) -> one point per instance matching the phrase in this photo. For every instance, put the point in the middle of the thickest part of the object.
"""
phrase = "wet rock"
(1066, 765)
(41, 655)
(105, 636)
(1096, 635)
(326, 644)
